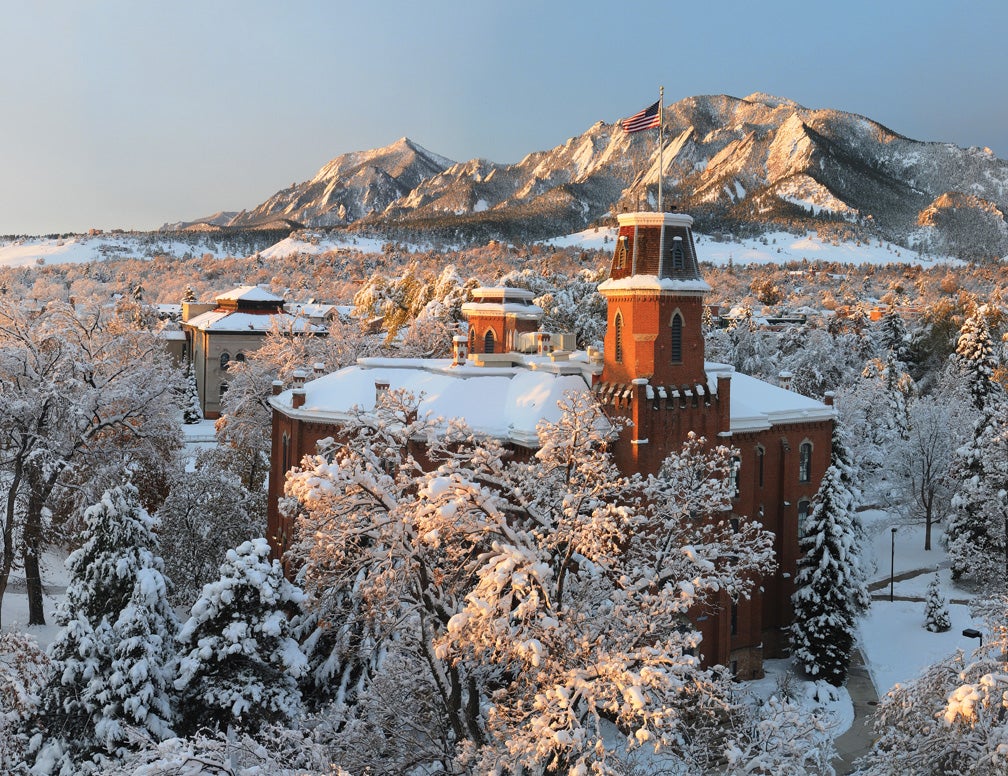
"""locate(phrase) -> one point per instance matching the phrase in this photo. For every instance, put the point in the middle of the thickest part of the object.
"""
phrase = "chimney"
(784, 379)
(277, 387)
(460, 350)
(380, 387)
(542, 342)
(318, 368)
(297, 397)
(828, 398)
(299, 376)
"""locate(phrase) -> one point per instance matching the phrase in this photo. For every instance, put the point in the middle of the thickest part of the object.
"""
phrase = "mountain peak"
(771, 101)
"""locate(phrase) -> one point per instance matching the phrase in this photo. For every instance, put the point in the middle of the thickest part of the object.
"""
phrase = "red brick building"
(652, 373)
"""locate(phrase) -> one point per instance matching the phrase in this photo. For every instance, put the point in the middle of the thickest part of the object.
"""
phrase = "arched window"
(223, 390)
(736, 477)
(285, 457)
(803, 513)
(621, 253)
(760, 454)
(225, 359)
(618, 334)
(805, 462)
(472, 340)
(240, 357)
(488, 341)
(677, 338)
(678, 256)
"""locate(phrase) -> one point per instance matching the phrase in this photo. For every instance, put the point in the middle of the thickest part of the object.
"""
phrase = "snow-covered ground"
(892, 636)
(773, 248)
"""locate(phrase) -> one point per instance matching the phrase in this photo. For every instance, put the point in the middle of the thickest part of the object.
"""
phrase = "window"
(621, 253)
(678, 257)
(737, 470)
(803, 513)
(225, 359)
(618, 334)
(223, 390)
(472, 340)
(677, 338)
(488, 341)
(734, 623)
(805, 462)
(285, 458)
(760, 453)
(240, 357)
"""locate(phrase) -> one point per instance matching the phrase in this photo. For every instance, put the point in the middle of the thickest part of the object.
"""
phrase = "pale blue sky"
(133, 113)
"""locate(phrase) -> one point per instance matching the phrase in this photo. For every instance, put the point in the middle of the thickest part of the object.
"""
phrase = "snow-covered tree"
(953, 718)
(977, 358)
(830, 587)
(77, 388)
(207, 512)
(112, 657)
(781, 738)
(537, 603)
(191, 410)
(976, 529)
(936, 613)
(924, 458)
(24, 671)
(238, 665)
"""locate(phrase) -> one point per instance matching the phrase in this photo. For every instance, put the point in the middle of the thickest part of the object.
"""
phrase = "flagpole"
(661, 118)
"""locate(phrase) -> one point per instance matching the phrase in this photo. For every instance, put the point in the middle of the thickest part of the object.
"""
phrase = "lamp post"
(892, 565)
(973, 633)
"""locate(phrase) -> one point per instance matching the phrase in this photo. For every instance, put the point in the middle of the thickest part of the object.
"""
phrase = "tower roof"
(655, 251)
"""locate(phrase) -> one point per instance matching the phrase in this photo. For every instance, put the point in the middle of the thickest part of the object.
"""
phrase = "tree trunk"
(928, 518)
(33, 572)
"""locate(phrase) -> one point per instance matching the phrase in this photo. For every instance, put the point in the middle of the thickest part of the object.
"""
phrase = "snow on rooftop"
(757, 404)
(249, 294)
(225, 320)
(503, 402)
(654, 283)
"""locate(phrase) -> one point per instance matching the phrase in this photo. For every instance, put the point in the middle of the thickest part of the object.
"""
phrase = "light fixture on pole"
(892, 565)
(973, 633)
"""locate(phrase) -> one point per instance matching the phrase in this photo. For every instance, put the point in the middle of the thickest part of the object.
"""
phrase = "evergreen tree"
(112, 656)
(822, 634)
(239, 666)
(192, 412)
(975, 532)
(936, 614)
(977, 359)
(893, 336)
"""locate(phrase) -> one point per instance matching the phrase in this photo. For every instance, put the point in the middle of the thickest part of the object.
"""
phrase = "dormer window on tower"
(678, 255)
(621, 252)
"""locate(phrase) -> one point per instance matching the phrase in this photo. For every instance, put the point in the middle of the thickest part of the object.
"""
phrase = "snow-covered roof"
(757, 405)
(505, 402)
(228, 320)
(654, 283)
(249, 294)
(523, 311)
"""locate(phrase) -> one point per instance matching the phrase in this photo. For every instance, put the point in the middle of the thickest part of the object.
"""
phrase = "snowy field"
(892, 636)
(773, 248)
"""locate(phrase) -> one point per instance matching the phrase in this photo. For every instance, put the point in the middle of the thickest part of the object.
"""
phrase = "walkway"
(857, 741)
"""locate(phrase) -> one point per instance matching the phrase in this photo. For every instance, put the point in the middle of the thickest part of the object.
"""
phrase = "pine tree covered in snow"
(238, 665)
(24, 672)
(978, 360)
(975, 531)
(829, 584)
(113, 655)
(191, 411)
(936, 614)
(530, 606)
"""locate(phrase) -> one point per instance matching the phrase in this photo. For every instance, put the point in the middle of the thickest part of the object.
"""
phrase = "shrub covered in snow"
(936, 613)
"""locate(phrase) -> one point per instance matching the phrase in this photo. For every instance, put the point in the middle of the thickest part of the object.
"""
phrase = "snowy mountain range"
(741, 165)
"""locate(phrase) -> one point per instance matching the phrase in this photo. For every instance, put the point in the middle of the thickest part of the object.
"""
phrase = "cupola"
(655, 298)
(496, 315)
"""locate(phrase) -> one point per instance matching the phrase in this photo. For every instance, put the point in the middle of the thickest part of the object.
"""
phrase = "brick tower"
(654, 344)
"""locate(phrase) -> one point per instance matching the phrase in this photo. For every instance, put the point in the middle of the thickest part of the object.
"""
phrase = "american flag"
(645, 119)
